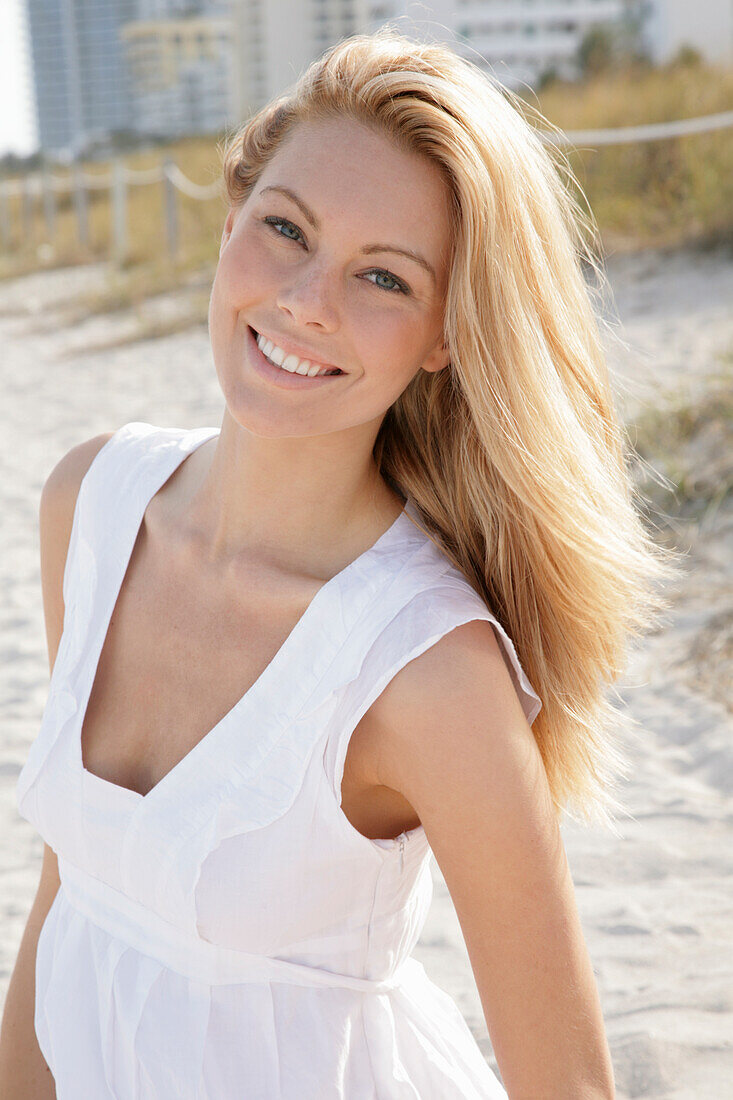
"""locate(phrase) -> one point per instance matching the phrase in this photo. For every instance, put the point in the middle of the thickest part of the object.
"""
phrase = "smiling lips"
(289, 362)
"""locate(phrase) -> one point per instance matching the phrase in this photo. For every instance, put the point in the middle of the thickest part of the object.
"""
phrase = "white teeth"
(291, 363)
(295, 364)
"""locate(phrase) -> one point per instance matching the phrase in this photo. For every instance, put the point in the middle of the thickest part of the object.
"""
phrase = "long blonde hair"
(514, 454)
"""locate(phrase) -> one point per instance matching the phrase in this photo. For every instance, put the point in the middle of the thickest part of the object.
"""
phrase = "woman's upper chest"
(184, 644)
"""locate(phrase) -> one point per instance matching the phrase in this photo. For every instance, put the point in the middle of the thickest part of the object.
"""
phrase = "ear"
(438, 359)
(227, 230)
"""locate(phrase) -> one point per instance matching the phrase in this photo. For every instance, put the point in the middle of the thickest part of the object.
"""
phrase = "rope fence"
(657, 131)
(44, 187)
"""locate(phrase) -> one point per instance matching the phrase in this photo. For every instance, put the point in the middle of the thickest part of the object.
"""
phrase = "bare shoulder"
(61, 487)
(453, 739)
(56, 517)
(450, 724)
(58, 498)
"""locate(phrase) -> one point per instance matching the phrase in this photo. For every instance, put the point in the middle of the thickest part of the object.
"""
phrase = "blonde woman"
(369, 618)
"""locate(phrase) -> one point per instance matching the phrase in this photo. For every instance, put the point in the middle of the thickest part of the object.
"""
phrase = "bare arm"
(24, 1074)
(23, 1070)
(470, 766)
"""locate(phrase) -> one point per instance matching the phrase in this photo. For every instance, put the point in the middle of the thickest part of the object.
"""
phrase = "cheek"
(236, 278)
(392, 344)
(245, 268)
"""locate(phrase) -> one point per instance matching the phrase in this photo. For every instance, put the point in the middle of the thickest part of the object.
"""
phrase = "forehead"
(344, 169)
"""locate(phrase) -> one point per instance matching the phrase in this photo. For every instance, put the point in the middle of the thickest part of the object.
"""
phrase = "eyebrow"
(367, 249)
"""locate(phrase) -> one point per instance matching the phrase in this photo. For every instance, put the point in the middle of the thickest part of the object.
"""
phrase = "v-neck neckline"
(188, 443)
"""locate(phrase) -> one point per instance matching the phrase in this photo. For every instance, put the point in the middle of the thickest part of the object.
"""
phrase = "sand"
(656, 904)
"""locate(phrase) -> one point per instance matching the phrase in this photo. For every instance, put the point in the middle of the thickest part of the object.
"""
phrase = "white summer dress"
(230, 935)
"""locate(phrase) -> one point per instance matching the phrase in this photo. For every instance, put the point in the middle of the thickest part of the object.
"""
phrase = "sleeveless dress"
(230, 934)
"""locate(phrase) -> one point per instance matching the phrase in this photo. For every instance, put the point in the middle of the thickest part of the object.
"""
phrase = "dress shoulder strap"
(112, 472)
(123, 476)
(436, 599)
(100, 522)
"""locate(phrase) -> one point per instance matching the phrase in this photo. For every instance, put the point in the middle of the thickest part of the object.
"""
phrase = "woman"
(412, 544)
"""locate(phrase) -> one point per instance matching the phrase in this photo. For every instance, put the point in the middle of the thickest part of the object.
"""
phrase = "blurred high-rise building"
(517, 40)
(180, 61)
(167, 68)
(79, 75)
(139, 68)
(276, 39)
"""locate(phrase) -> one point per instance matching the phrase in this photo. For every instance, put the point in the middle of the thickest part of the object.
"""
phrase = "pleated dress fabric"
(230, 934)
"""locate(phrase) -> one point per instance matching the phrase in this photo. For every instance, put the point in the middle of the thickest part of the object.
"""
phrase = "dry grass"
(682, 459)
(658, 193)
(682, 466)
(148, 263)
(137, 288)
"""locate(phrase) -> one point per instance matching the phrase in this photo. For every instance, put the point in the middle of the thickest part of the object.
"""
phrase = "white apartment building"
(165, 68)
(276, 40)
(518, 40)
(179, 59)
(156, 68)
(80, 84)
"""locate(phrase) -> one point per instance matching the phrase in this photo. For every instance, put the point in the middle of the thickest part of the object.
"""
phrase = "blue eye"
(399, 287)
(270, 220)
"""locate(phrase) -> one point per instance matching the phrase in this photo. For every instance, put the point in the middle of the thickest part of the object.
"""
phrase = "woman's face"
(312, 262)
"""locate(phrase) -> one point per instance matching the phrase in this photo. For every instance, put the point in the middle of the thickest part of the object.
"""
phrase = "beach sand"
(656, 903)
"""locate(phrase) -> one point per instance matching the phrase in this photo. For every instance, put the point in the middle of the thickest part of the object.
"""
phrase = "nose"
(307, 297)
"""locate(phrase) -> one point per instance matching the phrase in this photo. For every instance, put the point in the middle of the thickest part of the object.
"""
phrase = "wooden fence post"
(26, 210)
(49, 203)
(171, 213)
(82, 206)
(119, 211)
(5, 233)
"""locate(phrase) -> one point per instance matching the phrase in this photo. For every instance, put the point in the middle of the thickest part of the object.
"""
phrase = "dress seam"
(377, 883)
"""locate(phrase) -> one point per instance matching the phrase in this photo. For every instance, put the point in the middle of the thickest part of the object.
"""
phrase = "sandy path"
(657, 905)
